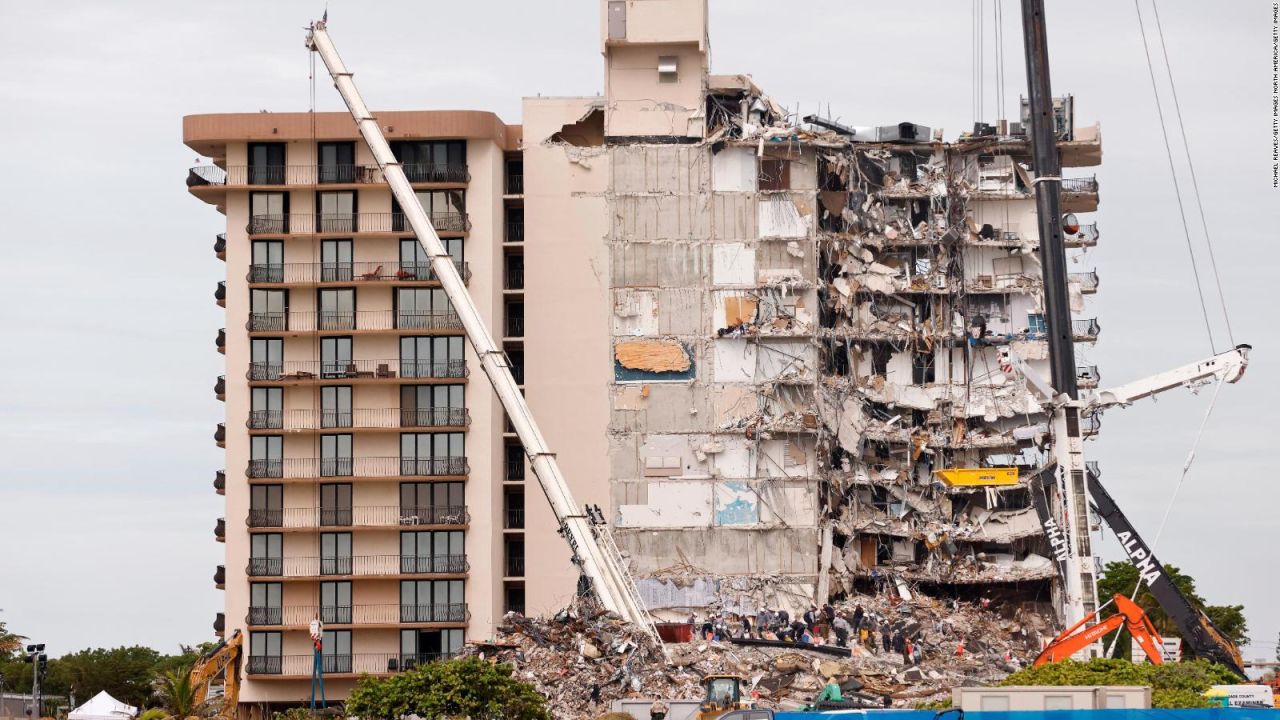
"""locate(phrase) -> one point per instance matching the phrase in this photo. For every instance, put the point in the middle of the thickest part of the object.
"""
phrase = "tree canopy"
(1120, 577)
(1173, 685)
(468, 687)
(128, 673)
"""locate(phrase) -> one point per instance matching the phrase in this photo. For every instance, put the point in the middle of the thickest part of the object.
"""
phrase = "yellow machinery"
(222, 661)
(978, 477)
(724, 693)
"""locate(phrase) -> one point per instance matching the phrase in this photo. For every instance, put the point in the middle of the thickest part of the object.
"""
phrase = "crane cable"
(1195, 183)
(1186, 231)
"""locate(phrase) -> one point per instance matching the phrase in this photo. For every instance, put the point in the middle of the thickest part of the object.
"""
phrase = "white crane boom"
(592, 547)
(1228, 366)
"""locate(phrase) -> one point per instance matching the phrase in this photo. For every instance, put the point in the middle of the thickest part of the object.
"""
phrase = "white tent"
(103, 707)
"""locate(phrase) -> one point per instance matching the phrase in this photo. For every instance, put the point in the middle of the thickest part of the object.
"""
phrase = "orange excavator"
(1129, 615)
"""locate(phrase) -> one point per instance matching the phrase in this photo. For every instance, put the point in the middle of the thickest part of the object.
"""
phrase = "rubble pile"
(584, 658)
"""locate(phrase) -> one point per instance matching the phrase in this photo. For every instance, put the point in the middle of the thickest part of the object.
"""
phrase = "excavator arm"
(222, 660)
(1077, 637)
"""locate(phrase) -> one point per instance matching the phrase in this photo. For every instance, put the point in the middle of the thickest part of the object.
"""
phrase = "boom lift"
(1062, 490)
(589, 540)
(1129, 615)
(223, 660)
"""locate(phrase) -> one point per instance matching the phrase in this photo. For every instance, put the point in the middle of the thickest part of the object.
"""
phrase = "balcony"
(313, 370)
(360, 516)
(1084, 236)
(219, 624)
(348, 320)
(515, 519)
(1080, 185)
(357, 566)
(515, 362)
(220, 387)
(515, 231)
(514, 323)
(1087, 376)
(349, 223)
(220, 293)
(220, 435)
(300, 666)
(220, 246)
(515, 183)
(255, 175)
(515, 562)
(515, 466)
(1085, 330)
(220, 530)
(220, 576)
(515, 276)
(221, 340)
(392, 271)
(358, 418)
(1088, 282)
(368, 467)
(301, 615)
(220, 482)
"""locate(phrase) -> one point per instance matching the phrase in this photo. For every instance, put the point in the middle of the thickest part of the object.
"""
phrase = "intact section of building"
(366, 476)
(776, 352)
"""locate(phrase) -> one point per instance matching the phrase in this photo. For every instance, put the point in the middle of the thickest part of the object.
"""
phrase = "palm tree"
(177, 692)
(9, 642)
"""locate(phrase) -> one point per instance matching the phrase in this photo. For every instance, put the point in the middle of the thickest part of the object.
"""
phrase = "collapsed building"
(812, 330)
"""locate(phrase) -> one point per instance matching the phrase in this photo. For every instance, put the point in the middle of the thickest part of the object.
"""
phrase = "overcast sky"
(106, 404)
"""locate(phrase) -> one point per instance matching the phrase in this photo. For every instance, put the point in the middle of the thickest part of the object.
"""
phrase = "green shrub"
(468, 687)
(1173, 685)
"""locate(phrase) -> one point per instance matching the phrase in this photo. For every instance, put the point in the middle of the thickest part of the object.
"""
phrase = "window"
(336, 211)
(335, 455)
(415, 264)
(432, 601)
(335, 504)
(266, 358)
(446, 208)
(432, 405)
(335, 553)
(1036, 324)
(264, 604)
(335, 261)
(336, 162)
(432, 161)
(432, 551)
(336, 651)
(266, 505)
(335, 602)
(996, 703)
(335, 406)
(424, 309)
(266, 554)
(268, 309)
(266, 407)
(775, 174)
(268, 262)
(424, 646)
(266, 456)
(337, 309)
(432, 454)
(264, 653)
(266, 163)
(439, 503)
(922, 368)
(268, 212)
(432, 357)
(335, 357)
(1058, 702)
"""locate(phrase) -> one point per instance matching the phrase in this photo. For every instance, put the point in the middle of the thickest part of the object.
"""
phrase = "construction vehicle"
(1081, 635)
(222, 662)
(723, 693)
(1061, 491)
(590, 541)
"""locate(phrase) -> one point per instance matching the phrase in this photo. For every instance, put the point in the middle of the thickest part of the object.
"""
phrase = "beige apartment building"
(756, 343)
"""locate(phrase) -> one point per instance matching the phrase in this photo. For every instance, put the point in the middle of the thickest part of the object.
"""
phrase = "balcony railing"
(221, 340)
(515, 231)
(1088, 281)
(515, 564)
(1086, 328)
(220, 575)
(344, 223)
(515, 519)
(311, 419)
(515, 183)
(359, 516)
(515, 469)
(515, 277)
(357, 565)
(1085, 236)
(220, 434)
(355, 664)
(1080, 185)
(220, 387)
(220, 293)
(320, 174)
(220, 481)
(515, 324)
(358, 614)
(1087, 376)
(220, 244)
(220, 530)
(355, 370)
(351, 272)
(338, 320)
(388, 467)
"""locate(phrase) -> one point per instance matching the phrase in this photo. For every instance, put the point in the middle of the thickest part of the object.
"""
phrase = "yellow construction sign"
(978, 476)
